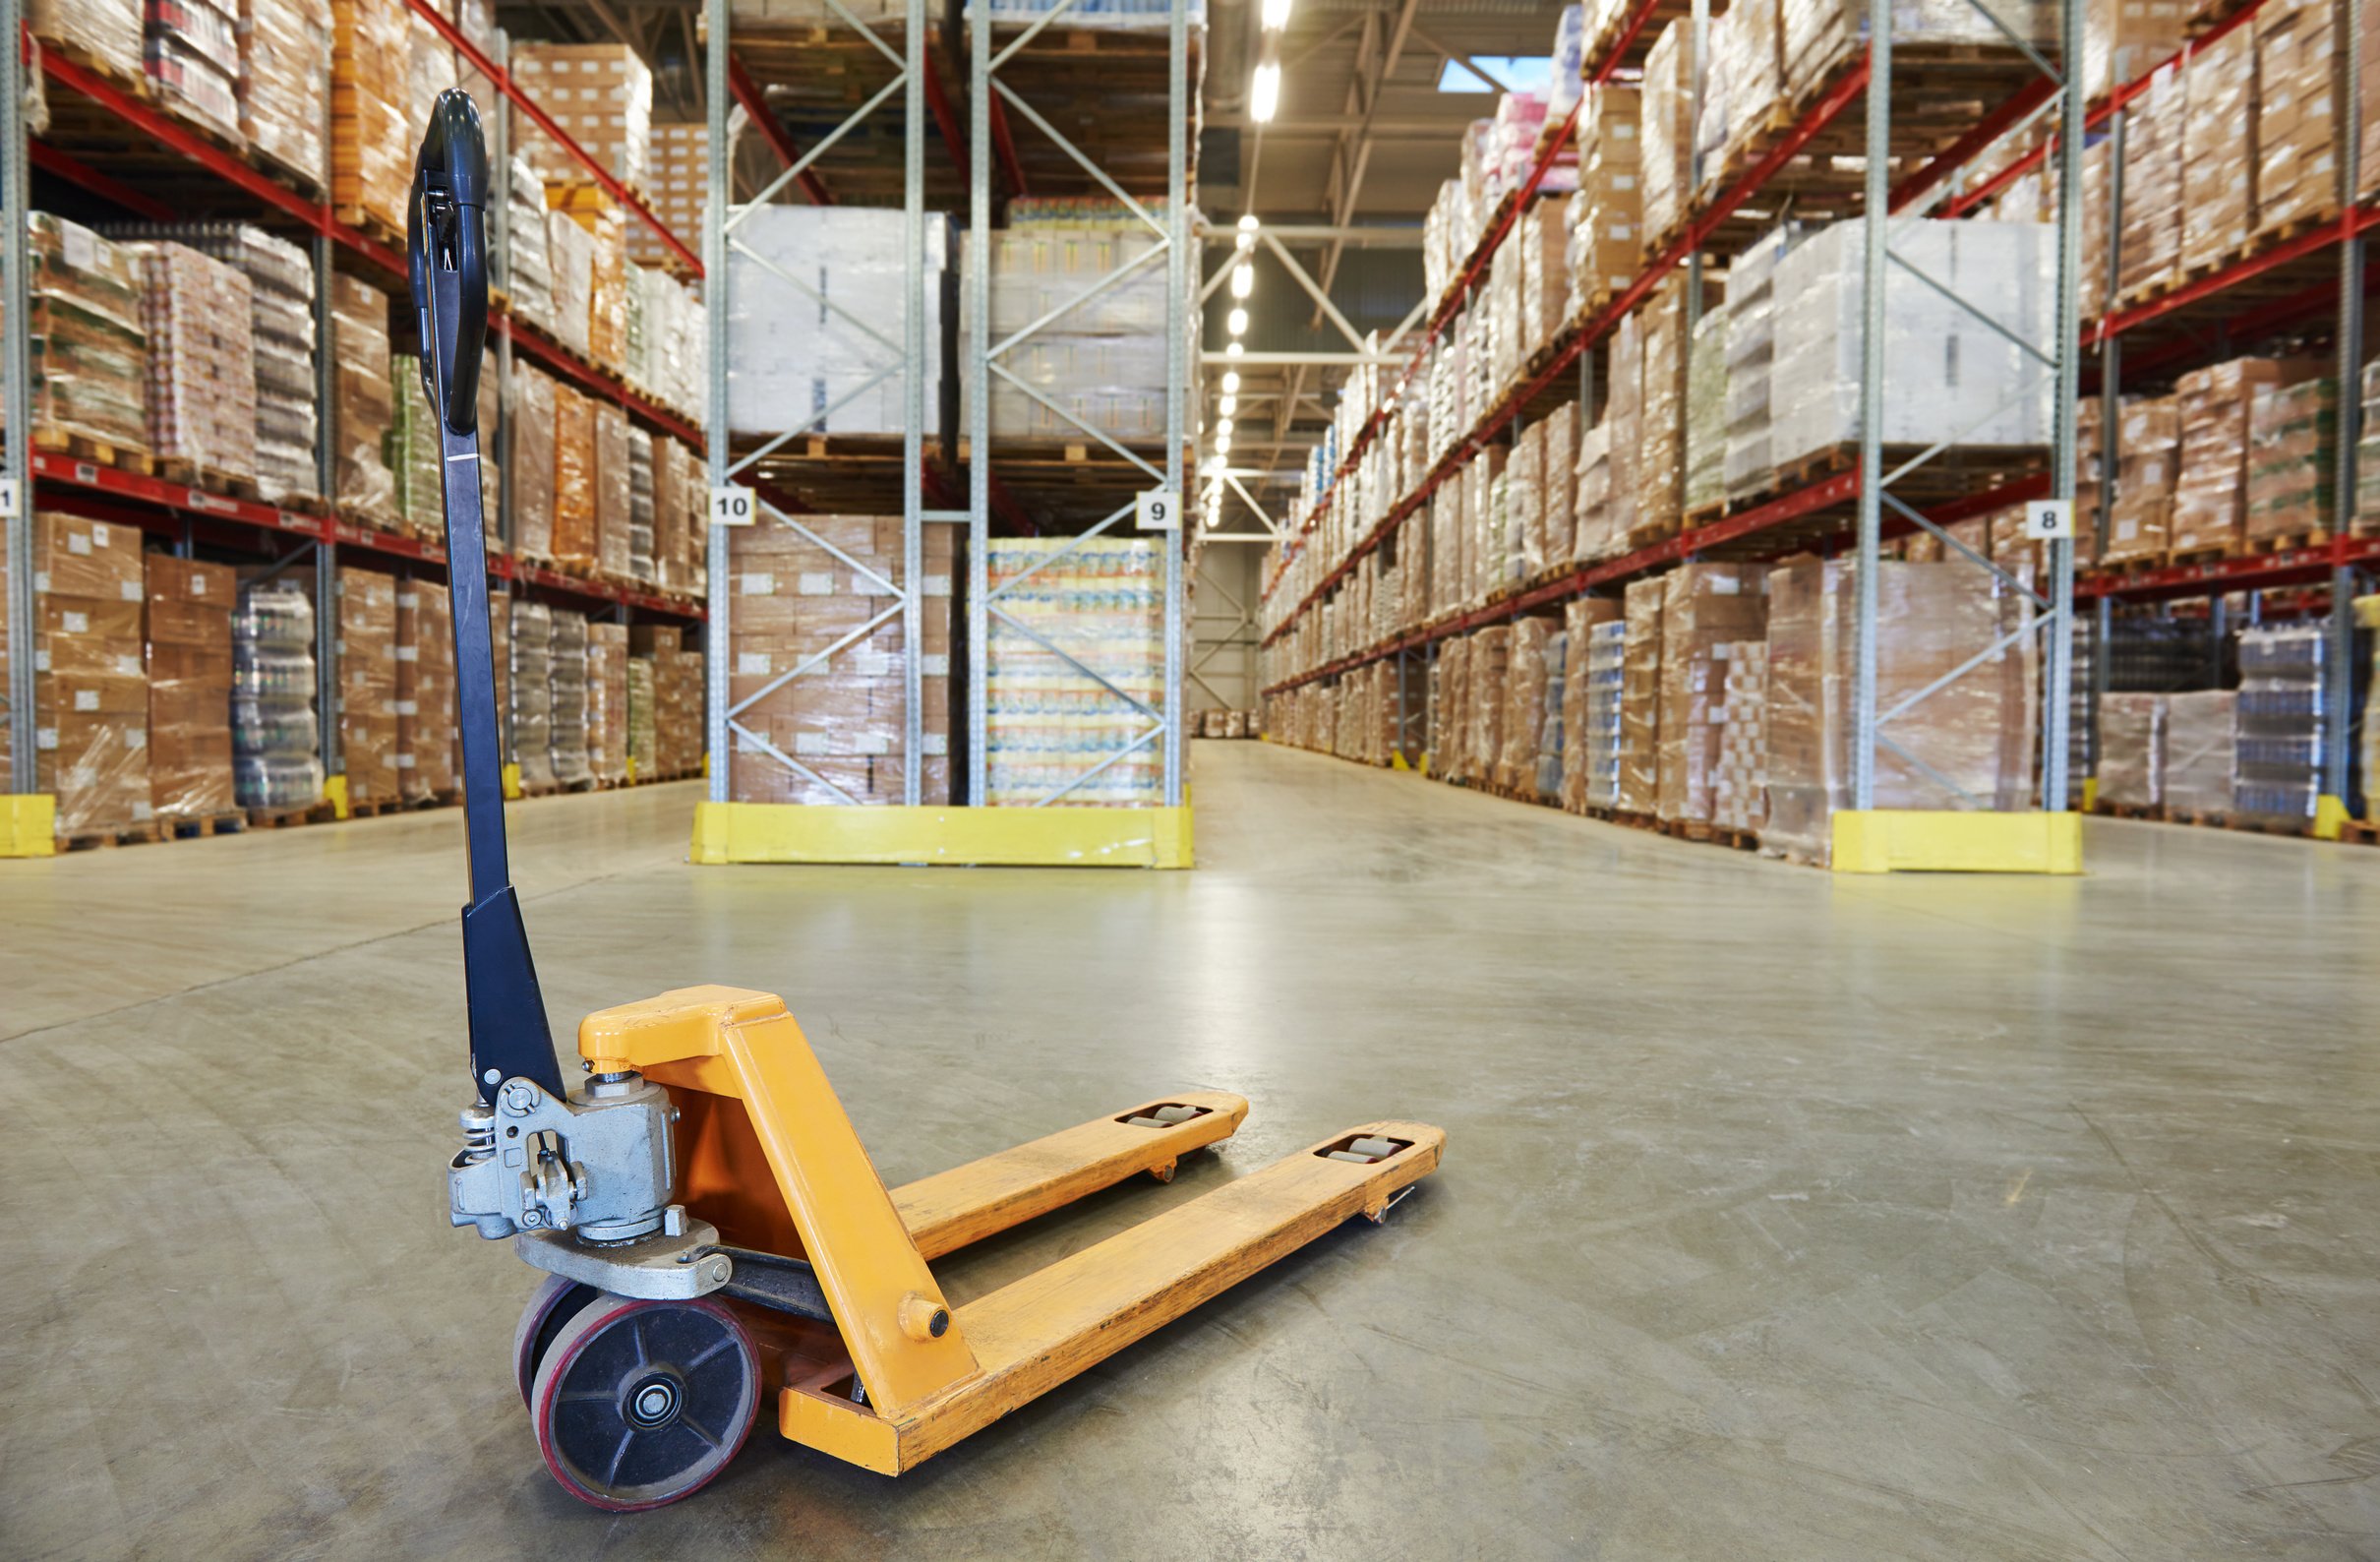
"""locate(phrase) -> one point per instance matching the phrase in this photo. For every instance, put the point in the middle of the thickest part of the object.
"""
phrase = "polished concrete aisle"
(1782, 1217)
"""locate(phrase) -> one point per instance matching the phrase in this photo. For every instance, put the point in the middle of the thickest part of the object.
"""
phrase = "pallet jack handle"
(447, 261)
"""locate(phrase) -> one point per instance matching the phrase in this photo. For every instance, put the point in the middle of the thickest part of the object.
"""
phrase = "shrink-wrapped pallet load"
(367, 668)
(426, 751)
(531, 659)
(535, 398)
(2283, 715)
(642, 756)
(842, 718)
(1640, 772)
(2210, 498)
(1749, 465)
(1705, 449)
(2148, 464)
(89, 351)
(2155, 127)
(2296, 147)
(2218, 150)
(2201, 742)
(90, 697)
(366, 401)
(198, 314)
(370, 156)
(2292, 459)
(1704, 608)
(2123, 40)
(190, 678)
(275, 734)
(2132, 750)
(1524, 719)
(1739, 786)
(796, 362)
(567, 695)
(1974, 732)
(601, 95)
(574, 536)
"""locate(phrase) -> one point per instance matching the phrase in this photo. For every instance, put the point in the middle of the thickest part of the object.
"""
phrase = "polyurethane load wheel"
(1169, 1115)
(1349, 1155)
(1144, 1122)
(638, 1404)
(552, 1304)
(1377, 1149)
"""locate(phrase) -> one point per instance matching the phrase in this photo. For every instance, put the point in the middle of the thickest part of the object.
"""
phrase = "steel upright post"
(1178, 283)
(2336, 754)
(978, 282)
(2057, 719)
(1876, 239)
(913, 428)
(716, 296)
(326, 552)
(17, 342)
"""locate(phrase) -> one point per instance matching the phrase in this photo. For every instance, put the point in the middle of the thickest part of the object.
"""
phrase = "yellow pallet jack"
(709, 1227)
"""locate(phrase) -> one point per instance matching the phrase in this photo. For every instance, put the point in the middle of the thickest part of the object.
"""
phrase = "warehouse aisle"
(1915, 1217)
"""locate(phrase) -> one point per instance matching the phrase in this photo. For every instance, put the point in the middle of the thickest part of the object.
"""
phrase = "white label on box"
(99, 533)
(77, 543)
(40, 580)
(405, 707)
(87, 699)
(756, 583)
(933, 666)
(752, 664)
(1725, 586)
(142, 812)
(2047, 518)
(812, 744)
(867, 585)
(408, 654)
(1158, 509)
(937, 744)
(938, 586)
(874, 745)
(80, 244)
(138, 738)
(732, 504)
(129, 591)
(41, 660)
(75, 623)
(46, 737)
(405, 761)
(817, 584)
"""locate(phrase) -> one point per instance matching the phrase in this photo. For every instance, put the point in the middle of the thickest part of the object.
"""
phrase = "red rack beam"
(44, 156)
(544, 121)
(946, 120)
(2338, 231)
(772, 130)
(2260, 572)
(1004, 148)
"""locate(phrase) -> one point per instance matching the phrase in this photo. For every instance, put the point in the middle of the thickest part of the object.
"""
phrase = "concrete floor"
(1782, 1217)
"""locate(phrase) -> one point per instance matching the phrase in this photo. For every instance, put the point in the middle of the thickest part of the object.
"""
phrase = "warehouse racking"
(110, 139)
(1081, 485)
(1875, 113)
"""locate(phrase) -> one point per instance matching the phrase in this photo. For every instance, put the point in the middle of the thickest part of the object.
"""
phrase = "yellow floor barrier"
(796, 832)
(29, 824)
(1932, 840)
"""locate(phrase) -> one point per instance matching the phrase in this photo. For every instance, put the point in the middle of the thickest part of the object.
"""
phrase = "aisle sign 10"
(731, 506)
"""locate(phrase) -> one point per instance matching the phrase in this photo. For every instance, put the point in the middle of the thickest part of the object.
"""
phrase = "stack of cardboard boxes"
(425, 756)
(367, 666)
(601, 95)
(841, 717)
(1706, 609)
(371, 158)
(90, 693)
(190, 673)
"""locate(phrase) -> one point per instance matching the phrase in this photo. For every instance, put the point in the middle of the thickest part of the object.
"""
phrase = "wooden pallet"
(99, 453)
(105, 837)
(193, 474)
(2245, 823)
(1705, 832)
(2283, 542)
(201, 826)
(370, 223)
(2151, 814)
(2188, 556)
(374, 807)
(318, 811)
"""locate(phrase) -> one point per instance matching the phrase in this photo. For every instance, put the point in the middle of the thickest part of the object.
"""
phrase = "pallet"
(99, 453)
(368, 223)
(2144, 812)
(193, 474)
(201, 826)
(2243, 822)
(442, 798)
(2285, 542)
(142, 834)
(2188, 556)
(375, 807)
(1705, 832)
(318, 811)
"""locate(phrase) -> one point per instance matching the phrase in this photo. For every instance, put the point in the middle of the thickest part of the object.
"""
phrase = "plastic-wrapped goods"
(88, 350)
(1702, 608)
(2210, 498)
(91, 710)
(415, 454)
(371, 157)
(2280, 720)
(1450, 706)
(1543, 245)
(277, 739)
(279, 347)
(532, 647)
(1623, 411)
(1523, 491)
(2154, 132)
(429, 69)
(192, 54)
(642, 756)
(601, 95)
(588, 206)
(2090, 288)
(2367, 449)
(797, 363)
(1749, 58)
(529, 273)
(615, 489)
(367, 398)
(1739, 779)
(1607, 235)
(1601, 734)
(570, 259)
(1557, 523)
(678, 187)
(1661, 470)
(641, 565)
(1591, 536)
(2123, 40)
(1669, 72)
(2368, 76)
(2200, 745)
(201, 370)
(1706, 411)
(189, 684)
(679, 534)
(284, 80)
(1823, 35)
(426, 752)
(1976, 732)
(2296, 129)
(1483, 704)
(1569, 56)
(1103, 363)
(834, 704)
(106, 33)
(2217, 152)
(535, 453)
(2148, 463)
(1552, 708)
(2292, 461)
(575, 517)
(608, 701)
(367, 663)
(2367, 756)
(1639, 756)
(677, 709)
(1948, 375)
(1046, 725)
(2132, 750)
(567, 695)
(1749, 467)
(1524, 719)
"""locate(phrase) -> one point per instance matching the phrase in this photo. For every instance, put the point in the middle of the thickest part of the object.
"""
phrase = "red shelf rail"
(2256, 573)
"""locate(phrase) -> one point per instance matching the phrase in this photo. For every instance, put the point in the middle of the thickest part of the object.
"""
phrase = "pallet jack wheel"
(638, 1404)
(554, 1303)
